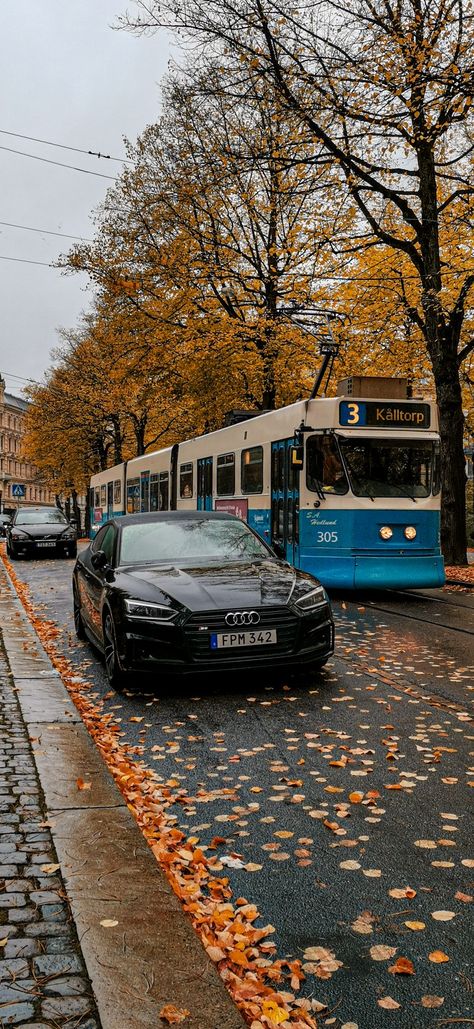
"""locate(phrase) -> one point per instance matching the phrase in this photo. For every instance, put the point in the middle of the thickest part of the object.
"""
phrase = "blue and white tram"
(347, 488)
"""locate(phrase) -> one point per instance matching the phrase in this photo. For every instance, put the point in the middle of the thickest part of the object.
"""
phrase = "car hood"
(257, 584)
(41, 531)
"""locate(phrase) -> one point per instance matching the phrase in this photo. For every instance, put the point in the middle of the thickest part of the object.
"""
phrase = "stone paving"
(43, 981)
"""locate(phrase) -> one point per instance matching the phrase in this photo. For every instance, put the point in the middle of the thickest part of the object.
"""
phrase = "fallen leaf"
(388, 1003)
(172, 1015)
(465, 897)
(468, 862)
(426, 844)
(81, 785)
(443, 916)
(252, 867)
(372, 873)
(283, 834)
(438, 956)
(415, 925)
(350, 866)
(109, 923)
(402, 966)
(49, 869)
(382, 953)
(356, 798)
(136, 718)
(430, 1000)
(271, 1010)
(400, 892)
(4, 941)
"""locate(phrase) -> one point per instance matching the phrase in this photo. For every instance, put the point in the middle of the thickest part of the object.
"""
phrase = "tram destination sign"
(383, 415)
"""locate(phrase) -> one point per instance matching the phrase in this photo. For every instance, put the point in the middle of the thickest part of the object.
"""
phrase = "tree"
(385, 89)
(214, 228)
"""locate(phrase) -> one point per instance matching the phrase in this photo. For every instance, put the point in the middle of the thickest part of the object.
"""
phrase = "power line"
(24, 260)
(59, 164)
(47, 232)
(62, 146)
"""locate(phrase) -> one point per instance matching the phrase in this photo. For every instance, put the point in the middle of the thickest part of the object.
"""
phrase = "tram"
(345, 487)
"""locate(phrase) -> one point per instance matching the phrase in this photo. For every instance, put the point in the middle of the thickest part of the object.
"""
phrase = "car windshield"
(391, 468)
(189, 541)
(45, 517)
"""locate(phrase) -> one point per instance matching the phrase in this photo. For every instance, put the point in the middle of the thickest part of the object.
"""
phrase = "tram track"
(414, 616)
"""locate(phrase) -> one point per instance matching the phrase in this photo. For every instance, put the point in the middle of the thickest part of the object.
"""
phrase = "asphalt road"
(391, 715)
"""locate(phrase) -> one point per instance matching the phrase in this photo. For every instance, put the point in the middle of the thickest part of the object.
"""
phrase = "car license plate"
(40, 543)
(252, 638)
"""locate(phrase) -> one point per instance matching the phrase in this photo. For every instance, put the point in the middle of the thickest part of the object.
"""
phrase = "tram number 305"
(327, 537)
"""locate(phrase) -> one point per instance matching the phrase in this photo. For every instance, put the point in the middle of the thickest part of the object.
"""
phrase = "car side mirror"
(99, 560)
(279, 551)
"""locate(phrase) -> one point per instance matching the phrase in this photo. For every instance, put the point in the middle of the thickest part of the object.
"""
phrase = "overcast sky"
(66, 77)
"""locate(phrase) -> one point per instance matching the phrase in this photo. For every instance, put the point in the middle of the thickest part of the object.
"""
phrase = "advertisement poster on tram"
(239, 507)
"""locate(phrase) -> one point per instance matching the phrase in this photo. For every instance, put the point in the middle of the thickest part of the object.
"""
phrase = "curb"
(152, 957)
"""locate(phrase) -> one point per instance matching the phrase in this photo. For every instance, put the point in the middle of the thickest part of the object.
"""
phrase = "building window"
(252, 470)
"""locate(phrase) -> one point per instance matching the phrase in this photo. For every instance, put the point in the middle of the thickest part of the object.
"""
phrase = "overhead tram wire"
(62, 146)
(46, 232)
(59, 164)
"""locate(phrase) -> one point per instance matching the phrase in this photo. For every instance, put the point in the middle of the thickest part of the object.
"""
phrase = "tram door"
(110, 500)
(145, 491)
(285, 500)
(204, 484)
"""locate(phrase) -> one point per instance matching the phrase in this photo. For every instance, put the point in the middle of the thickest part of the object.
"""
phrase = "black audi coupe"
(193, 591)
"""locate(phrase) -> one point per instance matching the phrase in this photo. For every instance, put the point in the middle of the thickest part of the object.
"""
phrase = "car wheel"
(78, 623)
(117, 678)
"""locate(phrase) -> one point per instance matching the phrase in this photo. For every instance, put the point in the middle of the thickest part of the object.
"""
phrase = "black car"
(40, 530)
(189, 591)
(4, 521)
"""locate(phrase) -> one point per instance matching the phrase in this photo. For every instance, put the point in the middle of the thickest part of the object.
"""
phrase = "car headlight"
(144, 612)
(70, 534)
(386, 532)
(315, 598)
(17, 534)
(409, 532)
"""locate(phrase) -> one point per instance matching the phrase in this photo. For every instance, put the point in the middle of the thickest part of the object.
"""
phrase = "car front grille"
(199, 627)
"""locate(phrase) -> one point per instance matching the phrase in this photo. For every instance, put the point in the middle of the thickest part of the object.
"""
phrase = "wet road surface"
(329, 793)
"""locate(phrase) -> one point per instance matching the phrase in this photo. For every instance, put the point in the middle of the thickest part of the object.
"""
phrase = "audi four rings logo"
(242, 618)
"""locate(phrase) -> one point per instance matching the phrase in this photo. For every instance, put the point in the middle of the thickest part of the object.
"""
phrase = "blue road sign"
(18, 489)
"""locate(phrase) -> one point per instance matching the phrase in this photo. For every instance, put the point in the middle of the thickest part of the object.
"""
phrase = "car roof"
(174, 516)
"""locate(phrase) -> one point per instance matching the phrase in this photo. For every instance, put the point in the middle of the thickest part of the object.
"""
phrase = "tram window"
(154, 492)
(251, 475)
(97, 497)
(117, 491)
(133, 496)
(103, 495)
(186, 481)
(389, 468)
(226, 475)
(324, 466)
(164, 491)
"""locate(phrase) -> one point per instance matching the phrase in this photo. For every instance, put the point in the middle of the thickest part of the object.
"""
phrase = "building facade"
(20, 482)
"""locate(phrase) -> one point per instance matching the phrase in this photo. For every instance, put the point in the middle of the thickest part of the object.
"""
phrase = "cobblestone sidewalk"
(43, 981)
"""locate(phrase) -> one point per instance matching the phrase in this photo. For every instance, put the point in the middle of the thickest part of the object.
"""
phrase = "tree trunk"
(453, 466)
(76, 511)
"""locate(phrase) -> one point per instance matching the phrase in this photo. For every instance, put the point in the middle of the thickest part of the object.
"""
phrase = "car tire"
(72, 552)
(78, 622)
(117, 678)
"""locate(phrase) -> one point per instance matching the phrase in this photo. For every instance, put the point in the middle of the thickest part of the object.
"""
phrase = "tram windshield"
(391, 468)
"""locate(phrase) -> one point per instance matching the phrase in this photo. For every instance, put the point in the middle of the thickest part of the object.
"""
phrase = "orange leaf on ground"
(402, 966)
(81, 785)
(465, 897)
(388, 1003)
(172, 1015)
(437, 957)
(430, 1000)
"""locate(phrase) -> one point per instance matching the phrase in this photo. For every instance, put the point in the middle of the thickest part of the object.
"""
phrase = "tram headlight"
(386, 532)
(409, 532)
